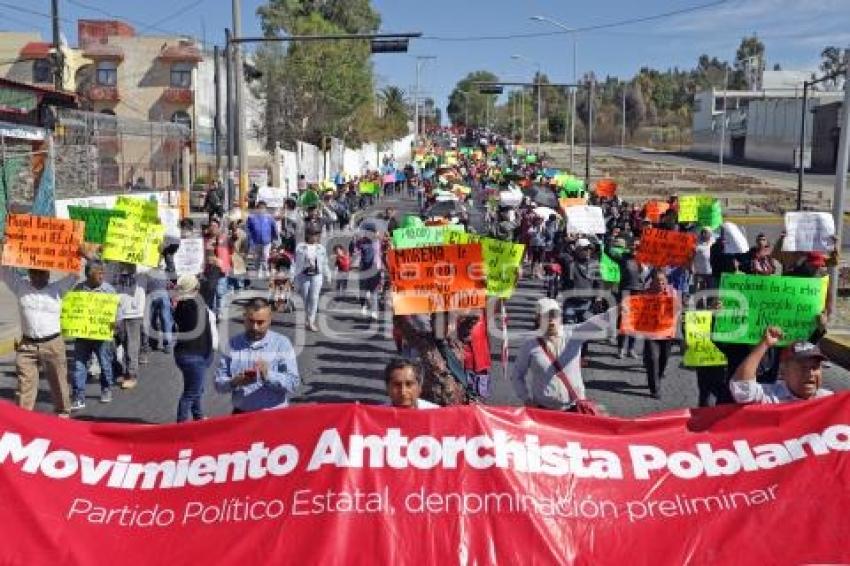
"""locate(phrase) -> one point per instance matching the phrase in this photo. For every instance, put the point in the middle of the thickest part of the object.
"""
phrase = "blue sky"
(794, 32)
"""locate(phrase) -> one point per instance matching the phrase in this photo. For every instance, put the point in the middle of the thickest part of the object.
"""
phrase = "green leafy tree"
(321, 88)
(473, 104)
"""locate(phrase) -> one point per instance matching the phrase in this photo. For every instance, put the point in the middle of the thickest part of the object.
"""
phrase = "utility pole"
(239, 73)
(573, 114)
(623, 131)
(590, 95)
(58, 57)
(539, 107)
(723, 120)
(420, 60)
(522, 113)
(217, 117)
(802, 152)
(841, 165)
(231, 121)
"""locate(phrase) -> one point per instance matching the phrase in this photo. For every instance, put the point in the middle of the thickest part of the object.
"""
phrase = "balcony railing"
(100, 93)
(177, 95)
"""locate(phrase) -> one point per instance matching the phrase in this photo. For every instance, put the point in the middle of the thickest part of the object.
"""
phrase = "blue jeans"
(83, 350)
(162, 319)
(218, 296)
(194, 369)
(309, 287)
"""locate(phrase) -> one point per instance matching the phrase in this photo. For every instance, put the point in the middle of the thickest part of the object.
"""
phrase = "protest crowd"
(649, 276)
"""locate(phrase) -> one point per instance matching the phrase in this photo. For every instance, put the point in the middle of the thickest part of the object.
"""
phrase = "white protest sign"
(189, 257)
(734, 240)
(170, 218)
(585, 220)
(510, 197)
(272, 196)
(808, 232)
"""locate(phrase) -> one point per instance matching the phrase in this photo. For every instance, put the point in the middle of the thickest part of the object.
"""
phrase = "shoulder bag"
(582, 406)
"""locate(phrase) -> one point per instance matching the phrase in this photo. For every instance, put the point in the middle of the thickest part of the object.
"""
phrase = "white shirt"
(702, 258)
(766, 393)
(39, 308)
(547, 389)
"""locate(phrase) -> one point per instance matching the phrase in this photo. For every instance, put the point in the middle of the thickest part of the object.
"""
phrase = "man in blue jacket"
(262, 231)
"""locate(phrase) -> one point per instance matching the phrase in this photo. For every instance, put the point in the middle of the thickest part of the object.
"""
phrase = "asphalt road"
(343, 363)
(785, 176)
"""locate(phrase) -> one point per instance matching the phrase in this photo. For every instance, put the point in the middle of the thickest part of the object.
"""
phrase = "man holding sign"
(39, 303)
(85, 347)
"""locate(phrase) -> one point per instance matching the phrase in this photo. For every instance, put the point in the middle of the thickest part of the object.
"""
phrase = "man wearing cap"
(800, 373)
(548, 390)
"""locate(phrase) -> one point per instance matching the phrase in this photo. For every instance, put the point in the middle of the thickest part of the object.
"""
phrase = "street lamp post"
(573, 32)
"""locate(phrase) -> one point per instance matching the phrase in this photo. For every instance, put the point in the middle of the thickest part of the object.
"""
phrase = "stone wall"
(76, 171)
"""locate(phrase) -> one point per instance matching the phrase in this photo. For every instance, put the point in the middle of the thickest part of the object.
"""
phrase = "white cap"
(546, 304)
(583, 243)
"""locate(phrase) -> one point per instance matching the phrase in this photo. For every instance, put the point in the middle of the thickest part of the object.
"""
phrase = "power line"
(535, 35)
(179, 12)
(31, 12)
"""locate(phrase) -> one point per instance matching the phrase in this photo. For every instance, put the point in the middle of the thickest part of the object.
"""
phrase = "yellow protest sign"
(88, 315)
(133, 241)
(689, 206)
(501, 261)
(700, 351)
(141, 209)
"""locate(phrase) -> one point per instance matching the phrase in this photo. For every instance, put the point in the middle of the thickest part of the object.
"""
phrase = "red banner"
(352, 484)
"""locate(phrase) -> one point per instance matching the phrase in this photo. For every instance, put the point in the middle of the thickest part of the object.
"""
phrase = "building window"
(107, 73)
(181, 75)
(41, 71)
(182, 118)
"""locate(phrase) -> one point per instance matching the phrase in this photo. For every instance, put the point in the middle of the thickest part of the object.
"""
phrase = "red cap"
(816, 259)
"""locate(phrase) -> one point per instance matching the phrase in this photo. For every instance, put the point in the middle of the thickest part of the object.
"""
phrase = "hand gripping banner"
(352, 484)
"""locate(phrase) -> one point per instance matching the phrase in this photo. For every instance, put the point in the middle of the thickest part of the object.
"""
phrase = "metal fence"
(111, 153)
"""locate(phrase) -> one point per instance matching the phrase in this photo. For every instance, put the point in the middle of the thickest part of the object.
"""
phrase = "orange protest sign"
(437, 279)
(666, 247)
(606, 188)
(568, 202)
(650, 315)
(41, 242)
(655, 209)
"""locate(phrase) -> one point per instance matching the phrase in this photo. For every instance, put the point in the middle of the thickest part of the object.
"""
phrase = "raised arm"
(749, 367)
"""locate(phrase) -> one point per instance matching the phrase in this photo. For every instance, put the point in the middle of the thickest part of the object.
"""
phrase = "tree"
(635, 108)
(394, 120)
(473, 104)
(351, 16)
(321, 88)
(749, 64)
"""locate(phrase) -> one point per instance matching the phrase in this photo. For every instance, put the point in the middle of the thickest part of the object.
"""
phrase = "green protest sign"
(96, 219)
(711, 215)
(143, 209)
(368, 188)
(501, 261)
(751, 303)
(609, 269)
(689, 206)
(700, 351)
(422, 236)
